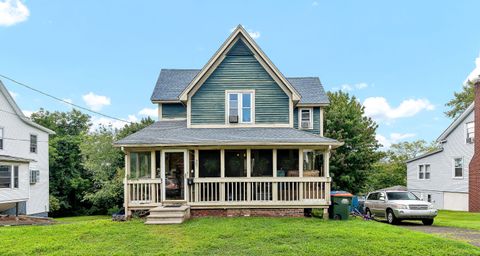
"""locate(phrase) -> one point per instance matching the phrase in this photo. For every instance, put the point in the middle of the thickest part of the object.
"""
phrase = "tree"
(461, 100)
(68, 178)
(392, 169)
(105, 165)
(345, 121)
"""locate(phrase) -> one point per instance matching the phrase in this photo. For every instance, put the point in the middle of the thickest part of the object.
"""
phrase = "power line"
(62, 100)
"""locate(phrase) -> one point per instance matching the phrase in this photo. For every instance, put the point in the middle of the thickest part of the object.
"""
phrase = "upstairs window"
(306, 120)
(424, 172)
(458, 167)
(470, 129)
(1, 138)
(34, 176)
(33, 143)
(240, 107)
(5, 176)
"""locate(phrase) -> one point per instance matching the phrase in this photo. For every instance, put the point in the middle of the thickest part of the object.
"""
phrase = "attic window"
(240, 107)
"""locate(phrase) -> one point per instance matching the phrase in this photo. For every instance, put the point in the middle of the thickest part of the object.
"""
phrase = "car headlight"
(430, 206)
(401, 206)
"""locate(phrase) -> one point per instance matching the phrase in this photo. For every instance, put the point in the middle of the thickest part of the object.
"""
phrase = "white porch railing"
(261, 191)
(144, 192)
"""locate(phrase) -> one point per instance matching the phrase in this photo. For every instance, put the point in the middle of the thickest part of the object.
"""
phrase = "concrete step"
(168, 215)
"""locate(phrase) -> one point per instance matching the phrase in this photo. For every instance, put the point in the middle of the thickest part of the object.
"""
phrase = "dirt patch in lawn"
(468, 235)
(8, 220)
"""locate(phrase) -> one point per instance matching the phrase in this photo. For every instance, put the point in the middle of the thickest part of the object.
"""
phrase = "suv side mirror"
(382, 198)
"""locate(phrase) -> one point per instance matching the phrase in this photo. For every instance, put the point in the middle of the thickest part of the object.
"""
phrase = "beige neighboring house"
(23, 161)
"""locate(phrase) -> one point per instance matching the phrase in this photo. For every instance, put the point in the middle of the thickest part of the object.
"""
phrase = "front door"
(174, 175)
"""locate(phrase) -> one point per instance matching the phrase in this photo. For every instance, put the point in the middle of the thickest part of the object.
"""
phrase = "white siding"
(17, 144)
(441, 173)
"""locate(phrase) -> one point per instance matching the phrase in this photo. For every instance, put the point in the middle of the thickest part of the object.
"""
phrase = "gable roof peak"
(239, 33)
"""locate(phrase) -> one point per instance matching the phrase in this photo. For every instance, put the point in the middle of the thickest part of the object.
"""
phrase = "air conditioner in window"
(305, 124)
(470, 140)
(233, 119)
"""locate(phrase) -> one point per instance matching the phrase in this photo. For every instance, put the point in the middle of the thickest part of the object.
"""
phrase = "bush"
(54, 203)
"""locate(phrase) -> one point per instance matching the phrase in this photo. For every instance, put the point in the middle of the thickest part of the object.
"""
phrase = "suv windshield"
(401, 196)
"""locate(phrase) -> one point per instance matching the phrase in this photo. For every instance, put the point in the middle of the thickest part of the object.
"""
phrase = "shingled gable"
(239, 34)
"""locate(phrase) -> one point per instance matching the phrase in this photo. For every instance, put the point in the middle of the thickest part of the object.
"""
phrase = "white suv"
(397, 205)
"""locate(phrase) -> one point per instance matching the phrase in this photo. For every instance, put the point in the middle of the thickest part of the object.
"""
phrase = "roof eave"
(455, 123)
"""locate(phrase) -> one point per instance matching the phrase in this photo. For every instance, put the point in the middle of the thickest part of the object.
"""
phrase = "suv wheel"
(427, 222)
(369, 213)
(391, 217)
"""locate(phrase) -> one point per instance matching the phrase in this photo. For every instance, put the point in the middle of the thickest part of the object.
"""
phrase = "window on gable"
(1, 138)
(424, 172)
(470, 127)
(306, 120)
(240, 107)
(458, 168)
(33, 143)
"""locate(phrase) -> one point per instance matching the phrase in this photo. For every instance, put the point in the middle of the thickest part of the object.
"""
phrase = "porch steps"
(168, 214)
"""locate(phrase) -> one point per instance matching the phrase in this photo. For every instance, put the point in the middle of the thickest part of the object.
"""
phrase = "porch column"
(197, 164)
(222, 175)
(326, 162)
(274, 184)
(300, 172)
(249, 173)
(126, 192)
(153, 187)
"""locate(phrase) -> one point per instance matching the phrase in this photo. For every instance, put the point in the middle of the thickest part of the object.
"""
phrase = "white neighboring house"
(23, 161)
(441, 177)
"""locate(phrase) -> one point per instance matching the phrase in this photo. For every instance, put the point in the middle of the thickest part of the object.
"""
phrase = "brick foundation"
(474, 167)
(247, 212)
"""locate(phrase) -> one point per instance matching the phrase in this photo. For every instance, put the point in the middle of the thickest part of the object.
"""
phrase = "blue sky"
(402, 59)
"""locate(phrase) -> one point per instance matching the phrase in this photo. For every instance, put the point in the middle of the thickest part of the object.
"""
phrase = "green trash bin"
(340, 207)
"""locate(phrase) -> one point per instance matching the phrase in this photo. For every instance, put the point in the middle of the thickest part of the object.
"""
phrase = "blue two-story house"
(233, 138)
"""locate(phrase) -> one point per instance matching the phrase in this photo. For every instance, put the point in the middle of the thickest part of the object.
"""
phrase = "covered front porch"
(227, 177)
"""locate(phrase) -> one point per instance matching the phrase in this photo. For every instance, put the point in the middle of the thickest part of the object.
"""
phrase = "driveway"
(468, 235)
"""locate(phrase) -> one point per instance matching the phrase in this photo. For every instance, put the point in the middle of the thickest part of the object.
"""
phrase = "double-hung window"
(305, 118)
(240, 107)
(1, 138)
(424, 172)
(470, 129)
(458, 167)
(33, 143)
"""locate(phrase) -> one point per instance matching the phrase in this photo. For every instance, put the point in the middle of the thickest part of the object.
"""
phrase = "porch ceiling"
(176, 133)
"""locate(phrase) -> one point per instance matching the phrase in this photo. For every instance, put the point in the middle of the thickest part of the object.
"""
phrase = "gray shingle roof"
(171, 83)
(177, 133)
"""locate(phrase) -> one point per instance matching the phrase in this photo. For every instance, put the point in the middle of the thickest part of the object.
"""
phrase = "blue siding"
(316, 120)
(240, 71)
(173, 110)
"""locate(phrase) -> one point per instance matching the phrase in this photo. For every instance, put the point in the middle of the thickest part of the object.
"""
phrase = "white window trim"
(418, 172)
(240, 107)
(466, 132)
(30, 143)
(310, 110)
(12, 176)
(424, 171)
(453, 169)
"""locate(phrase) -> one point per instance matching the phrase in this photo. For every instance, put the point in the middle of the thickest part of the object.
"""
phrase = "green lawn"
(231, 236)
(458, 219)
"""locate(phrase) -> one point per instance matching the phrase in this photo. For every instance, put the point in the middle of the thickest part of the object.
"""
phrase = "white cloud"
(96, 102)
(351, 87)
(151, 112)
(12, 12)
(476, 71)
(13, 94)
(394, 138)
(315, 3)
(252, 33)
(117, 124)
(379, 109)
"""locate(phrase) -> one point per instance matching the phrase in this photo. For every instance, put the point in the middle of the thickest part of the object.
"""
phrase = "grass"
(468, 220)
(226, 236)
